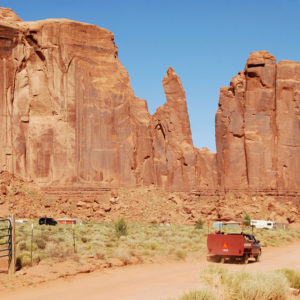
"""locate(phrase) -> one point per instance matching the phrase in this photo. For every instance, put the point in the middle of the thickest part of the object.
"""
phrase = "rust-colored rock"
(288, 125)
(258, 128)
(8, 15)
(69, 118)
(69, 115)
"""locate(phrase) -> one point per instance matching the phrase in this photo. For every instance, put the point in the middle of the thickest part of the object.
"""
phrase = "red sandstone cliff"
(258, 128)
(69, 115)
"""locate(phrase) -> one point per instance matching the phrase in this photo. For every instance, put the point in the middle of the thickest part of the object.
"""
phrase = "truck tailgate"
(223, 244)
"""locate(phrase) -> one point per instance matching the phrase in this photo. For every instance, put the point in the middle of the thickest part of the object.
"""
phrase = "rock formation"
(258, 128)
(69, 115)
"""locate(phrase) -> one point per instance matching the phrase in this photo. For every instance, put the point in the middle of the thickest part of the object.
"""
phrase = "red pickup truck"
(233, 246)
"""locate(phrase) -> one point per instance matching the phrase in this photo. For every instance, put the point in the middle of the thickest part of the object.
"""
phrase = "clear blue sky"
(206, 42)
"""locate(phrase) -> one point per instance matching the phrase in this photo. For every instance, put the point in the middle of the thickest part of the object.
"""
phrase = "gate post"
(12, 258)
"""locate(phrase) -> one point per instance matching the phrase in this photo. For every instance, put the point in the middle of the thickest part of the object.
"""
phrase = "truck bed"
(227, 244)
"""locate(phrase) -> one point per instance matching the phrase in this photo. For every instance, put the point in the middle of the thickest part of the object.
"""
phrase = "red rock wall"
(257, 127)
(69, 115)
(288, 125)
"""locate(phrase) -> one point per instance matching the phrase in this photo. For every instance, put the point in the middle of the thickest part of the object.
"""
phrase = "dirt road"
(147, 281)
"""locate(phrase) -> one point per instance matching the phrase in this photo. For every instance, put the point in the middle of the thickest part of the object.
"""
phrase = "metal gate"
(5, 238)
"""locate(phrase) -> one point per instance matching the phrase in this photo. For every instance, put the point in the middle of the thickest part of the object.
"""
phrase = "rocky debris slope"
(69, 115)
(135, 204)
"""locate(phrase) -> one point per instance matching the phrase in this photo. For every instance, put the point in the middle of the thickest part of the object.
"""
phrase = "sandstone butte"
(69, 118)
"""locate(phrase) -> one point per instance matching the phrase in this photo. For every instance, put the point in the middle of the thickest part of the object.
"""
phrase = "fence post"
(12, 258)
(31, 244)
(73, 229)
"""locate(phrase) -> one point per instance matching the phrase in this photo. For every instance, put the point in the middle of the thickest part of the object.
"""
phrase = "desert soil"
(152, 281)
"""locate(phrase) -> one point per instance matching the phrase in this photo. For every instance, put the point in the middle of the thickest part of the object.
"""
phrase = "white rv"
(262, 224)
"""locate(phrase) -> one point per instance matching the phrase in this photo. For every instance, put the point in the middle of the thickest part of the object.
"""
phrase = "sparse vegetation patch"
(127, 242)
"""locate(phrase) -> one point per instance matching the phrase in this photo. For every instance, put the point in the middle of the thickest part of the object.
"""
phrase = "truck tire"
(217, 258)
(257, 257)
(245, 259)
(213, 258)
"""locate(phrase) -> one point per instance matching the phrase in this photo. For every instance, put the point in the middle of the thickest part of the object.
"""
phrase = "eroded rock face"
(257, 127)
(288, 125)
(174, 156)
(8, 15)
(69, 115)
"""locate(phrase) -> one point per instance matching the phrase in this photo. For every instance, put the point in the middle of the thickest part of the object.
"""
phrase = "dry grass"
(101, 241)
(197, 295)
(252, 286)
(292, 276)
(245, 286)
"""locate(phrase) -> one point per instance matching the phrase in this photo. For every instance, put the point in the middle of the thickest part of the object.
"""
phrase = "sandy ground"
(153, 281)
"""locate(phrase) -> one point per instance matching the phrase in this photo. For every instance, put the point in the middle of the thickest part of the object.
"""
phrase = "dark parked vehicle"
(47, 221)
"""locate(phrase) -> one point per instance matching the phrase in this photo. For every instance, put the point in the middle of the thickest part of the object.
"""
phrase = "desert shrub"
(124, 255)
(36, 258)
(292, 276)
(180, 254)
(246, 286)
(109, 245)
(23, 260)
(150, 245)
(40, 243)
(121, 227)
(18, 263)
(100, 254)
(84, 239)
(123, 238)
(199, 224)
(22, 246)
(57, 251)
(252, 286)
(43, 235)
(197, 295)
(214, 276)
(61, 239)
(247, 219)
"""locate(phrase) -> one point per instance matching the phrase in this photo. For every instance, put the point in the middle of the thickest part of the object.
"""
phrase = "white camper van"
(262, 224)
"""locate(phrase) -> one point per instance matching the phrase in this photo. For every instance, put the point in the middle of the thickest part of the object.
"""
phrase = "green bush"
(121, 227)
(197, 295)
(292, 276)
(199, 224)
(248, 219)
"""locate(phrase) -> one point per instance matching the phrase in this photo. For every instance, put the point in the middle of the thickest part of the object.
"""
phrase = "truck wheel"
(245, 259)
(217, 258)
(257, 257)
